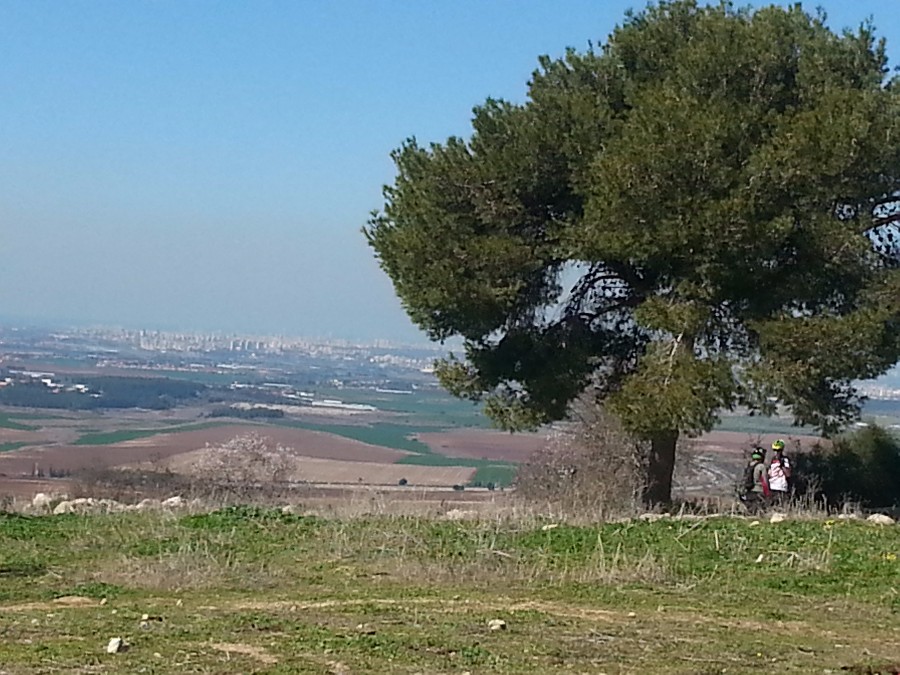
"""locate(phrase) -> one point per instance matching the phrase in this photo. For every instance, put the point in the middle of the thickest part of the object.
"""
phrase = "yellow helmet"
(778, 445)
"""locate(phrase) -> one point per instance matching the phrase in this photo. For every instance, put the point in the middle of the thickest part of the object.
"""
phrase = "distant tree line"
(245, 413)
(154, 393)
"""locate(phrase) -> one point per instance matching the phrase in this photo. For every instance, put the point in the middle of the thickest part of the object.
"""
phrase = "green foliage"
(721, 186)
(862, 467)
(155, 393)
(258, 412)
(244, 515)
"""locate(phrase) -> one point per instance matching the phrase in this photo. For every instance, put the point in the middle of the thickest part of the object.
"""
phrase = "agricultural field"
(248, 590)
(429, 431)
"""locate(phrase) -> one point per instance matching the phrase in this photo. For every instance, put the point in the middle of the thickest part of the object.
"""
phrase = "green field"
(246, 590)
(7, 422)
(398, 436)
(122, 435)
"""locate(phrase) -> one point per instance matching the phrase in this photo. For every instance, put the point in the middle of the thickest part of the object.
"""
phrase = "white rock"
(880, 519)
(777, 518)
(497, 624)
(289, 510)
(41, 501)
(653, 517)
(754, 523)
(148, 504)
(175, 502)
(550, 526)
(848, 516)
(460, 514)
(63, 507)
(115, 645)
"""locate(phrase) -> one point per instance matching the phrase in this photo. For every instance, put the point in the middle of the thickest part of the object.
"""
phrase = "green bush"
(863, 467)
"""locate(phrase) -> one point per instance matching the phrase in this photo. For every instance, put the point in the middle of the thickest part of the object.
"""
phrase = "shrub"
(863, 467)
(590, 465)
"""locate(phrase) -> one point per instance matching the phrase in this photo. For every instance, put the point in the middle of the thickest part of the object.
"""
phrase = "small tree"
(700, 215)
(862, 467)
(246, 460)
(589, 465)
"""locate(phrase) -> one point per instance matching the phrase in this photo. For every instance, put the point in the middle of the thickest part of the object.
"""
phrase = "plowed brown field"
(161, 446)
(483, 444)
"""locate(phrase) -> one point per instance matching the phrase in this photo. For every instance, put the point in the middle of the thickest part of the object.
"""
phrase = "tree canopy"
(702, 213)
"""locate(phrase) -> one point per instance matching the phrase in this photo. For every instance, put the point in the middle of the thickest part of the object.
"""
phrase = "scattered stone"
(760, 558)
(148, 505)
(631, 615)
(754, 523)
(103, 601)
(880, 519)
(460, 514)
(653, 517)
(116, 645)
(290, 510)
(365, 629)
(35, 622)
(497, 624)
(550, 526)
(777, 518)
(175, 502)
(848, 516)
(41, 501)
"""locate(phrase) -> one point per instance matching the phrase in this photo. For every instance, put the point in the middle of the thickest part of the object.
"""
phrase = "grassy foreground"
(245, 590)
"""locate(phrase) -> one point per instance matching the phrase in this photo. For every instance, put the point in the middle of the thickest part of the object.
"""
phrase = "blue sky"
(208, 165)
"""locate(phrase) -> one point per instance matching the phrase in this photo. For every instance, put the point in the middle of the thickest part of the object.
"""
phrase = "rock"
(290, 510)
(880, 519)
(777, 518)
(754, 523)
(848, 516)
(148, 504)
(653, 517)
(41, 501)
(460, 514)
(497, 624)
(550, 526)
(116, 645)
(175, 502)
(63, 507)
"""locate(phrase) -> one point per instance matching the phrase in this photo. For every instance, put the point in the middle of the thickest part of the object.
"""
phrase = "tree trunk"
(660, 466)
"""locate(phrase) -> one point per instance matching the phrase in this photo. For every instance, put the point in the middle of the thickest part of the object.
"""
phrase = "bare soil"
(18, 463)
(483, 444)
(305, 468)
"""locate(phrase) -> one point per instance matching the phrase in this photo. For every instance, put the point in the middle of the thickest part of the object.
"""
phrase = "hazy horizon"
(206, 167)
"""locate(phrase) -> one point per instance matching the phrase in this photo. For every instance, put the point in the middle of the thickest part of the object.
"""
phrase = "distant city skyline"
(207, 167)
